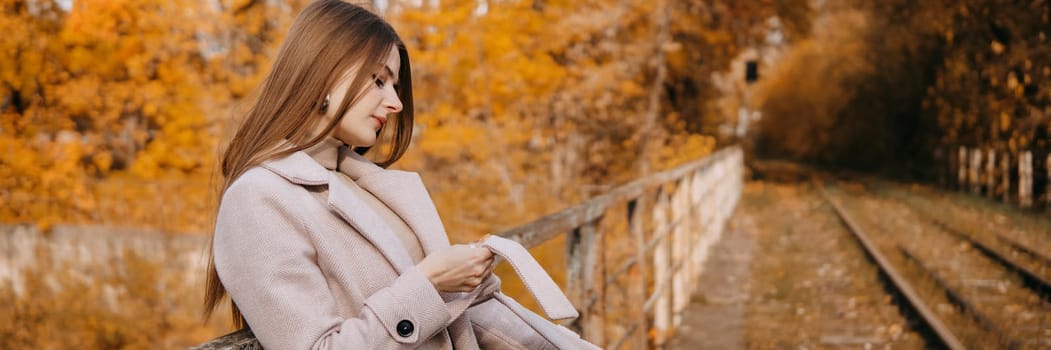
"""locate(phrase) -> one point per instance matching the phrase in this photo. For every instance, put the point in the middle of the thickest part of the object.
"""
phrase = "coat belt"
(550, 297)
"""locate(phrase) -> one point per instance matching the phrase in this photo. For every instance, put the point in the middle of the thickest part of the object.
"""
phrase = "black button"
(405, 328)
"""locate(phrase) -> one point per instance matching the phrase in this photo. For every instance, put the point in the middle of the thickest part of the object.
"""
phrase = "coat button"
(405, 328)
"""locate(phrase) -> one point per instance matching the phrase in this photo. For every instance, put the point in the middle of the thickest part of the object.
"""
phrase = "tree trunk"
(652, 132)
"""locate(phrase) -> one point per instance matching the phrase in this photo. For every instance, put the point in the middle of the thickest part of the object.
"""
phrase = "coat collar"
(402, 191)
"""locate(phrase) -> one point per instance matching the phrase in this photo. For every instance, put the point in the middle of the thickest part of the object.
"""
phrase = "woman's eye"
(379, 82)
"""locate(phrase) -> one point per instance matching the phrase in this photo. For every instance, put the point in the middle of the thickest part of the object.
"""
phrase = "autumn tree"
(915, 79)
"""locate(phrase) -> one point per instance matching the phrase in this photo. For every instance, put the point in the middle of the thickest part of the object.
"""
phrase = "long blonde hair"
(326, 39)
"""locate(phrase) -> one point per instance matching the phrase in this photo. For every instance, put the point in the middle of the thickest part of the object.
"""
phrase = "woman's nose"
(391, 102)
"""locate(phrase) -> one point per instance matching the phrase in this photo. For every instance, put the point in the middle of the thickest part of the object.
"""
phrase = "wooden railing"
(1021, 178)
(632, 254)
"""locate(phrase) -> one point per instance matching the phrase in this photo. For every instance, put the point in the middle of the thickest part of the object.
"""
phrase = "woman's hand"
(457, 268)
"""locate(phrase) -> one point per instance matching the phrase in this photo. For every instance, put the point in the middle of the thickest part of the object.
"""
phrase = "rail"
(648, 237)
(911, 298)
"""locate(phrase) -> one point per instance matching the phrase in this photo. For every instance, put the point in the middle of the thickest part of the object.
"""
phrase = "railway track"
(937, 331)
(1021, 231)
(813, 287)
(1029, 263)
(963, 290)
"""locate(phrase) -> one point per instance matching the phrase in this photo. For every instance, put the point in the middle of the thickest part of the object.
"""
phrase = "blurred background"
(113, 114)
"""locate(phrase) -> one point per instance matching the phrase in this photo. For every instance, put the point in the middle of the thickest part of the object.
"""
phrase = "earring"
(324, 104)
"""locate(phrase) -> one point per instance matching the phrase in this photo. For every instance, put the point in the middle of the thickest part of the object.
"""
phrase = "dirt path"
(716, 315)
(788, 276)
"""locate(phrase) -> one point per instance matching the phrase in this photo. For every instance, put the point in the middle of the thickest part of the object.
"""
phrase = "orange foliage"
(541, 104)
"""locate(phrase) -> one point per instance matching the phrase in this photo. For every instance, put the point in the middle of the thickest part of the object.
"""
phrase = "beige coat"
(311, 266)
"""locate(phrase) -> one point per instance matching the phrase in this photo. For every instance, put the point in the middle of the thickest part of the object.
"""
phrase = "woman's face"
(360, 124)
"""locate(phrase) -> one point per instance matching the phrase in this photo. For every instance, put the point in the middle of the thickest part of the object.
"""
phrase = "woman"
(320, 248)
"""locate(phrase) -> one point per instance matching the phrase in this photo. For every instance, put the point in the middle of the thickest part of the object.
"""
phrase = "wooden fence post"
(961, 168)
(1047, 187)
(950, 171)
(637, 290)
(990, 173)
(574, 269)
(1025, 179)
(662, 270)
(680, 294)
(585, 279)
(975, 173)
(698, 217)
(1005, 174)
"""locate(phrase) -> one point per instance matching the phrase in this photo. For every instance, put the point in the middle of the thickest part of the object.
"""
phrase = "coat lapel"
(402, 191)
(359, 215)
(405, 194)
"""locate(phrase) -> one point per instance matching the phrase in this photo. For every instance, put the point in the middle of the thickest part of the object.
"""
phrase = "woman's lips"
(379, 121)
